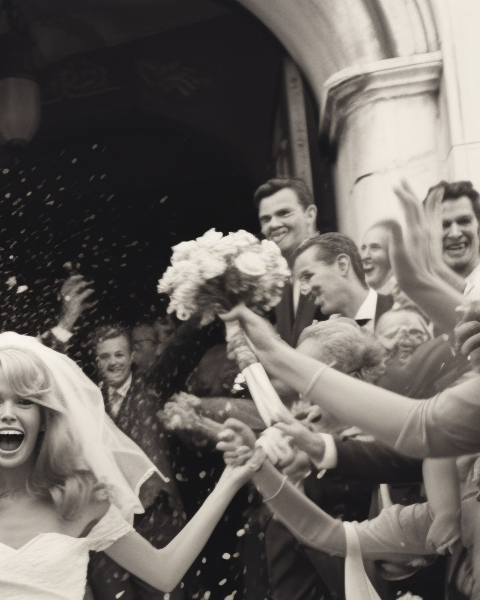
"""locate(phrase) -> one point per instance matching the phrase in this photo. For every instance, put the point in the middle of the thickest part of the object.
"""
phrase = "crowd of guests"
(382, 313)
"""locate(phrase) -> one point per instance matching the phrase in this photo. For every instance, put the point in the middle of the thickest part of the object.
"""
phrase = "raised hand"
(237, 346)
(259, 331)
(424, 232)
(75, 292)
(467, 332)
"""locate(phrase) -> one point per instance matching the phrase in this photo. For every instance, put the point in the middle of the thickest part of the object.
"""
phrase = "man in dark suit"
(287, 215)
(329, 269)
(133, 406)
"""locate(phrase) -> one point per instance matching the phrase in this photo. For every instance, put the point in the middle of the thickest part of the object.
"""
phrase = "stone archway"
(396, 92)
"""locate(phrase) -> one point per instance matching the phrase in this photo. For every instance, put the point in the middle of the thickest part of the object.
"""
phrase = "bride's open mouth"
(11, 439)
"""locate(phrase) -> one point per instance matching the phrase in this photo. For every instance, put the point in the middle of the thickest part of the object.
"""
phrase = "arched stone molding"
(384, 121)
(327, 36)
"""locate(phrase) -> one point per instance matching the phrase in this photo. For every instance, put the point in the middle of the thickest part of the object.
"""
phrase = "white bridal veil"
(112, 456)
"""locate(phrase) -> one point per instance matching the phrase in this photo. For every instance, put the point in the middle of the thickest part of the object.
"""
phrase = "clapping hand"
(309, 442)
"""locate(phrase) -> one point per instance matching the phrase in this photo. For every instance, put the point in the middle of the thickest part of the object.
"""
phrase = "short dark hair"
(110, 332)
(457, 189)
(272, 186)
(148, 325)
(329, 246)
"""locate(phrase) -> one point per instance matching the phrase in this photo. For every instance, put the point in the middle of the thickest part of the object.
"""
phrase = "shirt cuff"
(61, 334)
(330, 457)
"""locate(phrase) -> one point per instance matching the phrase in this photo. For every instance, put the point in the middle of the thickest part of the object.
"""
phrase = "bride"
(68, 483)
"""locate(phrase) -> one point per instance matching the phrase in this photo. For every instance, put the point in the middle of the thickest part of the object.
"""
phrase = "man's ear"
(311, 211)
(343, 263)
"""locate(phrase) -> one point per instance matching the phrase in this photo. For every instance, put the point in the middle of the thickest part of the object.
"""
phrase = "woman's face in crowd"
(20, 424)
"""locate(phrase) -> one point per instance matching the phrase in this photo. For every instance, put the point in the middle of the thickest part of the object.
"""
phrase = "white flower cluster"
(215, 272)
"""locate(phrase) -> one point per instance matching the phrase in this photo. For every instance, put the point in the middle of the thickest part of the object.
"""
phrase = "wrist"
(66, 323)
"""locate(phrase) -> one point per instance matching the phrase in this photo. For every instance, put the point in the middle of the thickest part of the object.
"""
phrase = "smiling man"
(133, 407)
(287, 215)
(330, 272)
(460, 236)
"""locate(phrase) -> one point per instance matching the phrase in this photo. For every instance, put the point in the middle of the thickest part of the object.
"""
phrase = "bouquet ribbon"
(271, 408)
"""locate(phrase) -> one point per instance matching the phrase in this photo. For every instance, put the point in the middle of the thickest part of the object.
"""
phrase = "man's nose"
(455, 230)
(275, 222)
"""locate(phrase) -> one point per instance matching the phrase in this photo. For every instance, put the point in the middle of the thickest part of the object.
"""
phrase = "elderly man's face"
(401, 333)
(284, 220)
(460, 235)
(145, 346)
(375, 259)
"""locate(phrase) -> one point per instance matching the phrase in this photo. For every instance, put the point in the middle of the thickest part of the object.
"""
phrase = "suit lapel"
(306, 310)
(284, 314)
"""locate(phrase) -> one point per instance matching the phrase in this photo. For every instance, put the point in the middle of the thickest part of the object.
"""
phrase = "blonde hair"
(351, 349)
(59, 473)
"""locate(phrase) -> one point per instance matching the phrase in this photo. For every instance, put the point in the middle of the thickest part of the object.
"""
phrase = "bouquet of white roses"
(215, 272)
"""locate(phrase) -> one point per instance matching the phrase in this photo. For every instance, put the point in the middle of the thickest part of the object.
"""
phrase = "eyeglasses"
(137, 343)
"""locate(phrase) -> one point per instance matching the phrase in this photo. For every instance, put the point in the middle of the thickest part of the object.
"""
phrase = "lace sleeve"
(111, 527)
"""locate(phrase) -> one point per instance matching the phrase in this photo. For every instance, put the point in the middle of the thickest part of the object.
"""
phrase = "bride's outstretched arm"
(164, 568)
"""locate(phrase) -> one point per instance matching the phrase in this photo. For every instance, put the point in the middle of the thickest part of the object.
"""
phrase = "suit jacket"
(373, 462)
(137, 418)
(290, 325)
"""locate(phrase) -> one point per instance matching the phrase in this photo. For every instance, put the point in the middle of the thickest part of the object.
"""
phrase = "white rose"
(271, 248)
(243, 238)
(183, 251)
(209, 265)
(251, 263)
(210, 238)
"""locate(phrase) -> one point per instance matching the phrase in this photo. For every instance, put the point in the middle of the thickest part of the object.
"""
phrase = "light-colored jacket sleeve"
(445, 425)
(397, 534)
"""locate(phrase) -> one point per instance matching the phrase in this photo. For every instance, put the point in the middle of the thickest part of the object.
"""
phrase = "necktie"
(114, 401)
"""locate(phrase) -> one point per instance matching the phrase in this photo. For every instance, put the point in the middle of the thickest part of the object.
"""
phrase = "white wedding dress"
(53, 566)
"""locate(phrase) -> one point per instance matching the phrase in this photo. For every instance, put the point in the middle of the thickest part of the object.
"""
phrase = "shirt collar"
(369, 307)
(123, 389)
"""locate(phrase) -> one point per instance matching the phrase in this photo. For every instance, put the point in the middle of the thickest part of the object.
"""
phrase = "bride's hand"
(236, 475)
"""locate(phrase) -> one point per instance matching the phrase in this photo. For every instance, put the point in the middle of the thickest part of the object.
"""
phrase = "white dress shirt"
(472, 289)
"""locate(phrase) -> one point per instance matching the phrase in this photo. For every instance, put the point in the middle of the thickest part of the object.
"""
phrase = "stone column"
(382, 122)
(457, 23)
